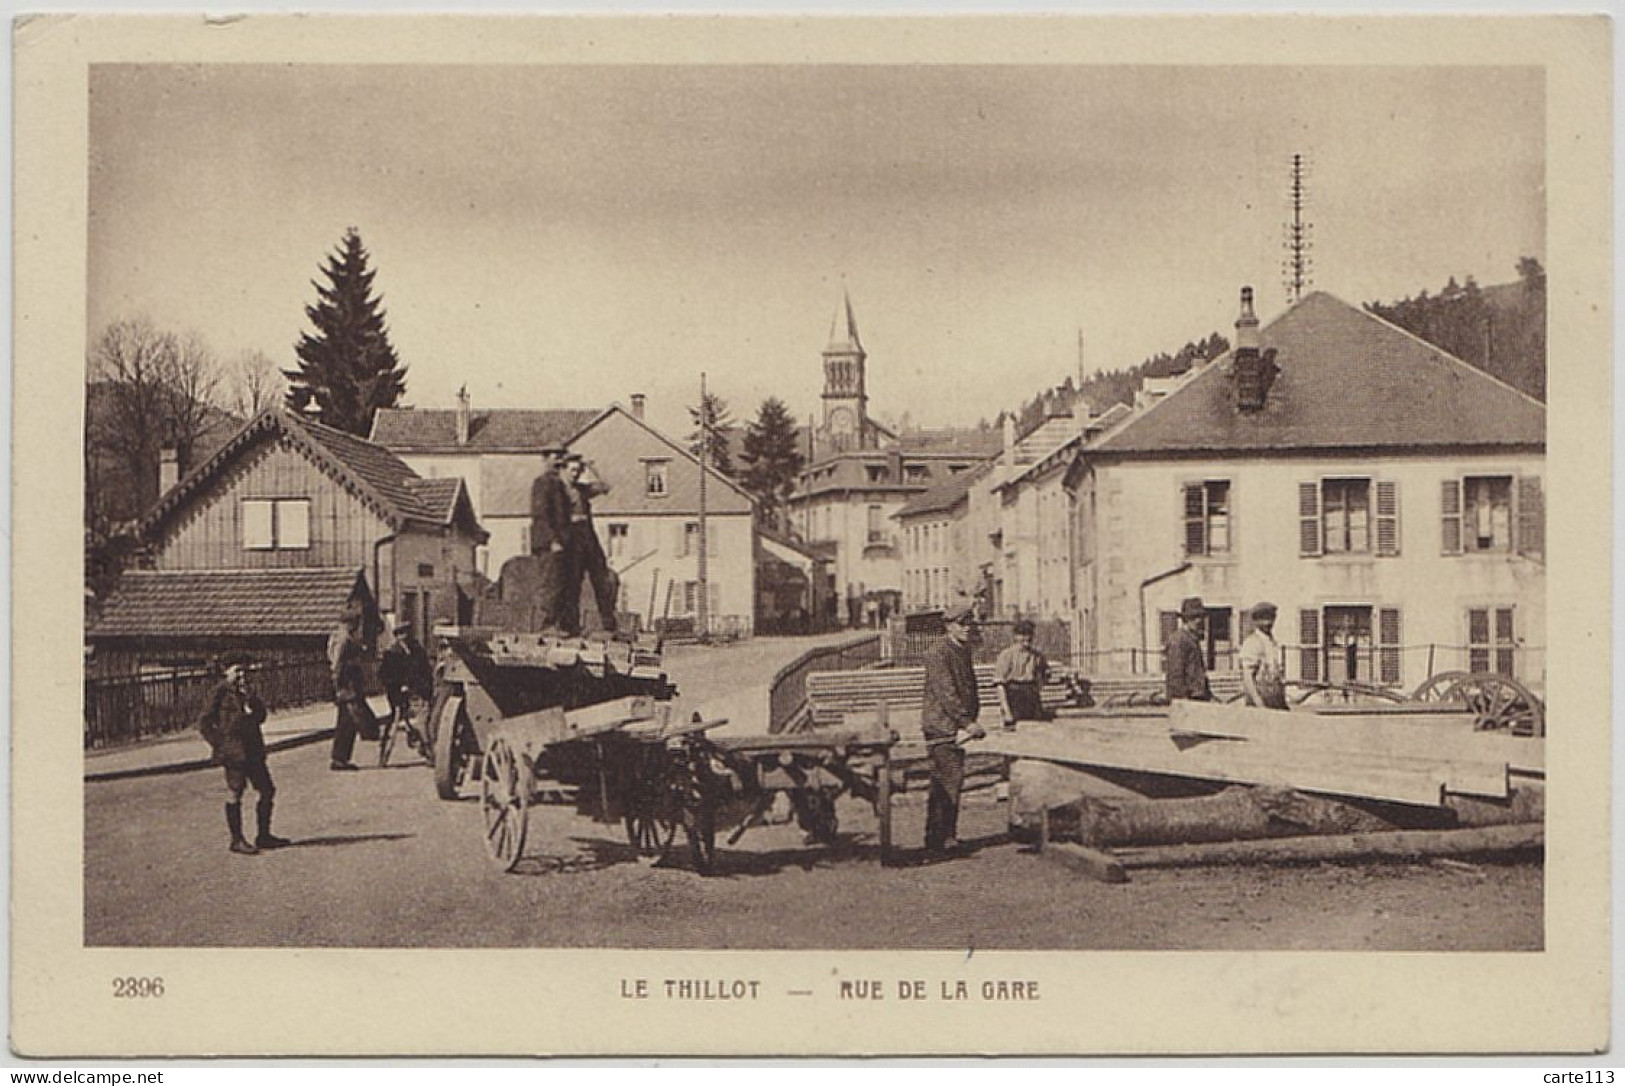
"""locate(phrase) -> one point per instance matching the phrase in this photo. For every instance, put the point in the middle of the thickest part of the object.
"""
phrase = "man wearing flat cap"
(1020, 672)
(1184, 662)
(550, 540)
(951, 705)
(1260, 658)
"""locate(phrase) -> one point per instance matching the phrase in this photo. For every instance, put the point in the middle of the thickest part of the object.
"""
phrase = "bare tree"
(256, 383)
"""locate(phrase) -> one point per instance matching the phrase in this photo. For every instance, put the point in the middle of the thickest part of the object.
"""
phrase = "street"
(379, 861)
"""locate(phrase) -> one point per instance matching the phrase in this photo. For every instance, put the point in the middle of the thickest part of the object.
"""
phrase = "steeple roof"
(843, 330)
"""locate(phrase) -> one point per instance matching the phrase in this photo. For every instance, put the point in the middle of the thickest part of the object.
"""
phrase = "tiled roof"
(966, 441)
(371, 471)
(1347, 380)
(946, 494)
(412, 429)
(437, 496)
(226, 603)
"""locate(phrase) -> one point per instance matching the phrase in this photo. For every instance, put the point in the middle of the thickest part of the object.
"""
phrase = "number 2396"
(138, 987)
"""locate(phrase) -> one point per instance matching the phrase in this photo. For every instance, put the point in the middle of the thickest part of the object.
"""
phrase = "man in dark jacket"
(231, 724)
(404, 672)
(585, 551)
(951, 705)
(347, 650)
(1184, 661)
(550, 541)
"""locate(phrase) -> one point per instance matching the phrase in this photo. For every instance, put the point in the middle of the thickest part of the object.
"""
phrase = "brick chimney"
(638, 400)
(169, 468)
(463, 419)
(1253, 372)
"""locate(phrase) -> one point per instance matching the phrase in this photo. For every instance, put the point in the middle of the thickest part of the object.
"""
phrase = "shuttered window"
(1531, 517)
(1309, 519)
(1486, 513)
(1450, 516)
(1387, 519)
(1206, 507)
(1491, 640)
(1388, 642)
(1309, 646)
(1345, 510)
(272, 524)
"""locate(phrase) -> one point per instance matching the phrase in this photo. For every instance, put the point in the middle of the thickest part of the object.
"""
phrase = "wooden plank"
(1097, 864)
(1476, 762)
(1391, 844)
(1219, 760)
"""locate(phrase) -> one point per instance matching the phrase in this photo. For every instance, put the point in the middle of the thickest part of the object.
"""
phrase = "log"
(1235, 814)
(1102, 866)
(1390, 845)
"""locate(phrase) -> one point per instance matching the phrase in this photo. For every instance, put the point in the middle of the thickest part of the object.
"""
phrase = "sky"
(566, 236)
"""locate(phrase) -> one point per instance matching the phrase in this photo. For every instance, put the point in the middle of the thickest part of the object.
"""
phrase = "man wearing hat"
(951, 704)
(1260, 658)
(586, 553)
(550, 540)
(231, 724)
(404, 671)
(1020, 672)
(1184, 662)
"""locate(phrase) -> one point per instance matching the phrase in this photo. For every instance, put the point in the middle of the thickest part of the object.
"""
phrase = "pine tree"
(771, 458)
(348, 366)
(718, 424)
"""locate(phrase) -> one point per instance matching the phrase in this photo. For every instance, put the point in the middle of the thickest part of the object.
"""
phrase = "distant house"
(648, 521)
(1387, 497)
(259, 547)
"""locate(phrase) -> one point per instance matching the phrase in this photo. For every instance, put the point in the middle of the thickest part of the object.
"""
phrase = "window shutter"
(1195, 519)
(1167, 623)
(1309, 536)
(1478, 639)
(1309, 646)
(1531, 516)
(1387, 519)
(1388, 661)
(1504, 642)
(1450, 516)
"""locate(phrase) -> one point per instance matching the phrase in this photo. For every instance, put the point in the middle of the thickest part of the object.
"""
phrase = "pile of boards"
(1222, 783)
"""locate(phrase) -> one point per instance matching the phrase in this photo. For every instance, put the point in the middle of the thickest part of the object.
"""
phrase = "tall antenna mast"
(1296, 268)
(703, 604)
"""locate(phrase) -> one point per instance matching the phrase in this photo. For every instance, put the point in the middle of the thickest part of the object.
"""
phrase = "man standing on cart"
(550, 541)
(586, 552)
(951, 705)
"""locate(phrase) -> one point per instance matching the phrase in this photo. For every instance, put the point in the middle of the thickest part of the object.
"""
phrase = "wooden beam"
(1099, 865)
(1390, 845)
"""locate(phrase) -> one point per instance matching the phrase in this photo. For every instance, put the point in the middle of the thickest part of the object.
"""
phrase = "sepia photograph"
(1026, 510)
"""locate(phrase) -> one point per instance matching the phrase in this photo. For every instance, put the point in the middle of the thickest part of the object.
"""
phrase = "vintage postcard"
(826, 535)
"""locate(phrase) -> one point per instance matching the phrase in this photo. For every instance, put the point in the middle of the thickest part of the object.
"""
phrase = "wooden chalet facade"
(259, 548)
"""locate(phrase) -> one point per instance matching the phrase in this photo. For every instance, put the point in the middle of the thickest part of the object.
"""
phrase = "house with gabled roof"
(261, 545)
(1386, 496)
(648, 518)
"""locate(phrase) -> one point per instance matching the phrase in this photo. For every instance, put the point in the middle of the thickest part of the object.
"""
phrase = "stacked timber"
(1197, 774)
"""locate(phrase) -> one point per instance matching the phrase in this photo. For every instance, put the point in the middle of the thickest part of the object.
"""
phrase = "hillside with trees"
(1499, 329)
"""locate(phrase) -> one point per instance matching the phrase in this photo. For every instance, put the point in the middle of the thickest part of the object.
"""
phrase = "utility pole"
(1295, 269)
(704, 602)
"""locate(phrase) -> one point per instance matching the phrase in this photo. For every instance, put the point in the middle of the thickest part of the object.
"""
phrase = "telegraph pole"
(1296, 267)
(704, 602)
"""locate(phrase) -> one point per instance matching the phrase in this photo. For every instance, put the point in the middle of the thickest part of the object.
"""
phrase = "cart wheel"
(650, 834)
(450, 749)
(505, 802)
(1438, 687)
(1500, 704)
(700, 824)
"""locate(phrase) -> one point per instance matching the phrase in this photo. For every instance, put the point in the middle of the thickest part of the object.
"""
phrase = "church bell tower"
(846, 403)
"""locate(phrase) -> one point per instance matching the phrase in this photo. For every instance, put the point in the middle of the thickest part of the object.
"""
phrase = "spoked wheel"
(650, 833)
(450, 747)
(1438, 687)
(1501, 704)
(651, 818)
(505, 803)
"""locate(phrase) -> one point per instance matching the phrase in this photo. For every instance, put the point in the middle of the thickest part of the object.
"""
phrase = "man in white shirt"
(1261, 676)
